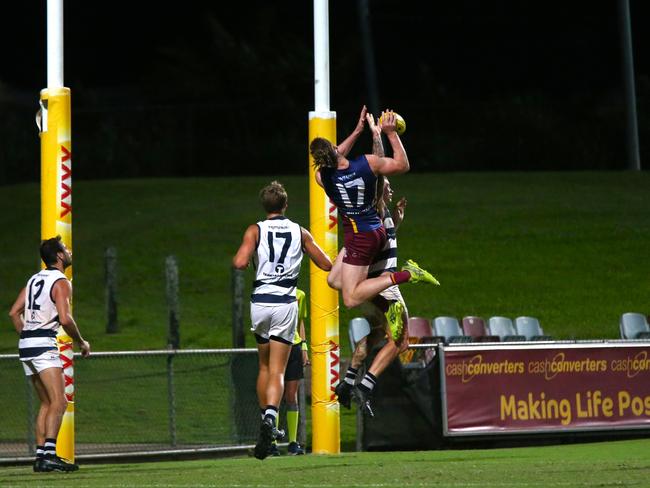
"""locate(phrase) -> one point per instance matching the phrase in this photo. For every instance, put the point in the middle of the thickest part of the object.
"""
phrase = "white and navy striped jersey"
(277, 261)
(41, 318)
(386, 259)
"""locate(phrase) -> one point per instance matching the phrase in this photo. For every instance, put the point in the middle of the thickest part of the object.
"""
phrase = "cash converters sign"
(542, 388)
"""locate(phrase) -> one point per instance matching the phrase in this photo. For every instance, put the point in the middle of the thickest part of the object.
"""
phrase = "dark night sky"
(427, 52)
(506, 44)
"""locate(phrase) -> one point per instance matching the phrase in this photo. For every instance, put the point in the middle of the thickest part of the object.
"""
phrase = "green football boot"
(419, 275)
(395, 319)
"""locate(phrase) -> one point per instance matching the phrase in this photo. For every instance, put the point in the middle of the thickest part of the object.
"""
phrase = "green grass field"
(620, 464)
(568, 248)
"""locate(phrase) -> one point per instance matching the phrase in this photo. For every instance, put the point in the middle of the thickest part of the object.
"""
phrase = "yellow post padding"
(324, 305)
(56, 167)
(65, 440)
(56, 219)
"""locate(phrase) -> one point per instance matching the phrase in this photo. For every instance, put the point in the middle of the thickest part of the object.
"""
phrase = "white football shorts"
(49, 359)
(276, 320)
(392, 294)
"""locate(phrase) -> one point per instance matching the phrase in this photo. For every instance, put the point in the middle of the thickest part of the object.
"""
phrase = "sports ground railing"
(142, 402)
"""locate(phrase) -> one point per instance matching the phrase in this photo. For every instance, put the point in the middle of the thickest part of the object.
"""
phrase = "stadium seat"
(634, 326)
(474, 327)
(357, 330)
(419, 327)
(420, 332)
(529, 328)
(503, 327)
(449, 328)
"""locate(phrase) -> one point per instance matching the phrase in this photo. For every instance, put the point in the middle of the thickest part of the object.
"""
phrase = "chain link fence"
(143, 402)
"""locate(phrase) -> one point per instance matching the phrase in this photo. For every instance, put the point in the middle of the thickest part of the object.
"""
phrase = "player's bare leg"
(263, 351)
(360, 353)
(52, 381)
(391, 350)
(277, 363)
(40, 421)
(334, 281)
(291, 392)
(334, 276)
(42, 411)
(358, 288)
(345, 387)
(388, 353)
(54, 386)
(279, 355)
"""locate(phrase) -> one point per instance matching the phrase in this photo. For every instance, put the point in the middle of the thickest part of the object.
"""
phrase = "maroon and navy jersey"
(353, 191)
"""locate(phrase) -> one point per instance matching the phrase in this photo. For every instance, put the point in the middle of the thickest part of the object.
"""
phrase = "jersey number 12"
(32, 297)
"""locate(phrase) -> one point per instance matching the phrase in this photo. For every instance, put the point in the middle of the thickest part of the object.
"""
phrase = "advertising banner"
(545, 387)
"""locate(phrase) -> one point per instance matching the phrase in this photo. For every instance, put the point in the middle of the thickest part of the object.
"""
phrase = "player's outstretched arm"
(398, 213)
(375, 130)
(62, 292)
(314, 251)
(303, 336)
(247, 247)
(399, 163)
(345, 147)
(17, 310)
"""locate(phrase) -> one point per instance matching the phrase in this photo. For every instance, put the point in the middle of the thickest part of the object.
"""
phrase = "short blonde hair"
(274, 197)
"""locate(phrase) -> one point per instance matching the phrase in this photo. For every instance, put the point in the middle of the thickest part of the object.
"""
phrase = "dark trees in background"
(504, 86)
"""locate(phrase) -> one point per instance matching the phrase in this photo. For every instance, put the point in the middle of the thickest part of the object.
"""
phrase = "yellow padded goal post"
(324, 305)
(56, 219)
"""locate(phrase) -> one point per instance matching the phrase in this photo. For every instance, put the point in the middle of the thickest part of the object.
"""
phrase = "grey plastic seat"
(449, 328)
(530, 328)
(504, 329)
(634, 326)
(357, 330)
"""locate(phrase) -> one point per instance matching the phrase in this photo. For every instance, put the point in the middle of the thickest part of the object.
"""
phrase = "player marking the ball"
(352, 185)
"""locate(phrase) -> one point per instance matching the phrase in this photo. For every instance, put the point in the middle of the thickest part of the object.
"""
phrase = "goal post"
(56, 190)
(324, 301)
(324, 305)
(56, 219)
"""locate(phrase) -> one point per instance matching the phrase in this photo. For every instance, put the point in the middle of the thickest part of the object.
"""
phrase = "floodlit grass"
(568, 248)
(623, 463)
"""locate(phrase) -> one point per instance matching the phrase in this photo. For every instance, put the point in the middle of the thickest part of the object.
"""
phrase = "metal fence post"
(171, 398)
(237, 286)
(110, 276)
(171, 269)
(173, 340)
